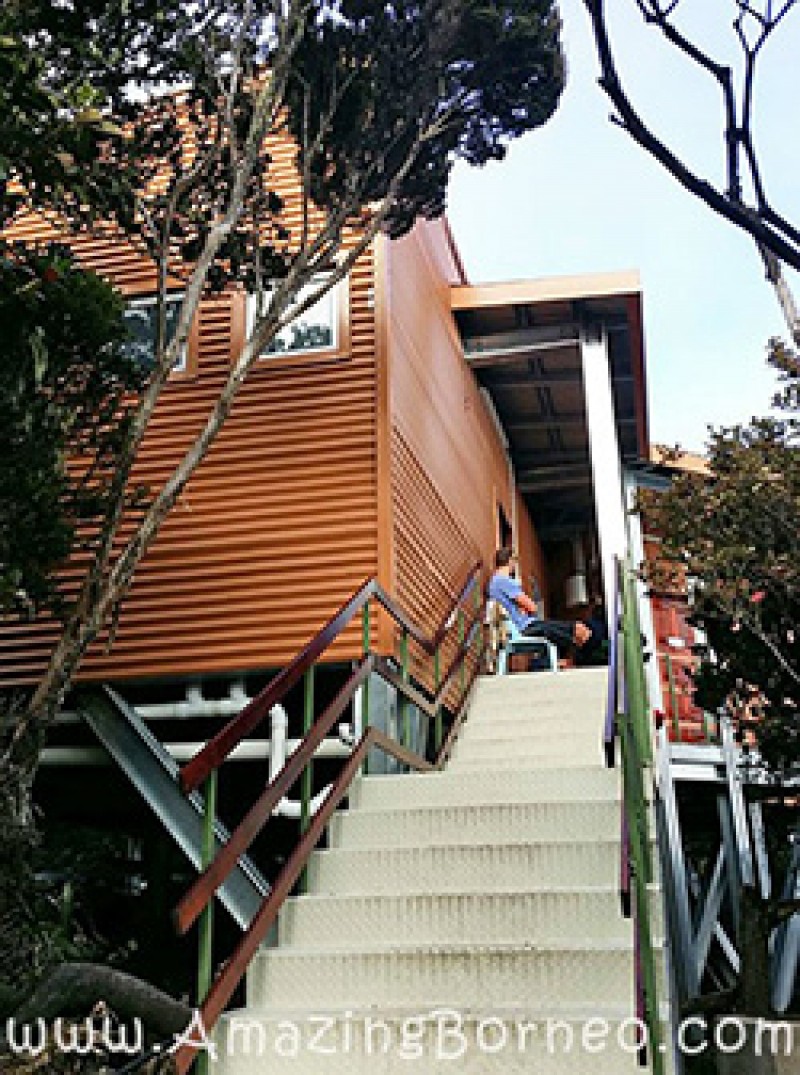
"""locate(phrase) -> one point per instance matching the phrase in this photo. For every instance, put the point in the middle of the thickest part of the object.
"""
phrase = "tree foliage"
(157, 124)
(66, 387)
(735, 535)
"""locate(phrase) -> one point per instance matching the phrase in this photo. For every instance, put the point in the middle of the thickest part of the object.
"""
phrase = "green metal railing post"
(461, 634)
(307, 779)
(366, 643)
(405, 714)
(437, 677)
(205, 954)
(638, 706)
(673, 699)
(476, 601)
(637, 754)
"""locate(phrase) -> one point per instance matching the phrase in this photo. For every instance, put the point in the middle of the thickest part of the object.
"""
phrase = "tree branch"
(769, 231)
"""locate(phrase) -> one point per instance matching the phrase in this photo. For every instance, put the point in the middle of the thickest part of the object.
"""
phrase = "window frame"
(188, 359)
(339, 299)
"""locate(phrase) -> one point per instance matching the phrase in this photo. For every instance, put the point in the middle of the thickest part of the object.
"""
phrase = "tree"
(67, 386)
(742, 197)
(734, 534)
(380, 100)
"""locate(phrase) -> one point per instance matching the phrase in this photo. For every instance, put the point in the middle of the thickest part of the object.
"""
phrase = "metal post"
(673, 700)
(707, 727)
(307, 779)
(366, 644)
(462, 673)
(437, 674)
(634, 679)
(787, 941)
(206, 938)
(405, 716)
(677, 882)
(738, 808)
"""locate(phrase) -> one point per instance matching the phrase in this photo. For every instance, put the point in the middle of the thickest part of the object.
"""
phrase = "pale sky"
(580, 196)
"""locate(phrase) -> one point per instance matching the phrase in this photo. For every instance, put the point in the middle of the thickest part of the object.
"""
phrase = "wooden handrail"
(197, 897)
(214, 753)
(227, 980)
(447, 745)
(198, 768)
(430, 705)
(463, 649)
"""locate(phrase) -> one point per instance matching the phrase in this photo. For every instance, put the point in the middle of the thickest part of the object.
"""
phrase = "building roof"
(523, 341)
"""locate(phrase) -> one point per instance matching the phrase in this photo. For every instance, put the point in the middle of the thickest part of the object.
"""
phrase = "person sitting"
(506, 589)
(595, 651)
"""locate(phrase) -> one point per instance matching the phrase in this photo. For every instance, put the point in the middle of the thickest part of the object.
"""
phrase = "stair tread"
(468, 888)
(449, 894)
(498, 948)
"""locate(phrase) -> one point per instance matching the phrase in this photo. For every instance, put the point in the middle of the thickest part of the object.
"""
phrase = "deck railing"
(215, 992)
(628, 715)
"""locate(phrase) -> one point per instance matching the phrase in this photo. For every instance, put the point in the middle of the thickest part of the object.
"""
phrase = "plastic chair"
(516, 642)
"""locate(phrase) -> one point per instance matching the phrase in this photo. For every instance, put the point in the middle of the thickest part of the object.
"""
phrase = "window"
(140, 320)
(320, 328)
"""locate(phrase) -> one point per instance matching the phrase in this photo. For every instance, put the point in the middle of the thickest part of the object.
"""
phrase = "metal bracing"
(703, 902)
(675, 878)
(154, 774)
(786, 945)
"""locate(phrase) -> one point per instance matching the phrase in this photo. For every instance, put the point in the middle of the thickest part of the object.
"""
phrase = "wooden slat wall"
(448, 470)
(531, 557)
(276, 528)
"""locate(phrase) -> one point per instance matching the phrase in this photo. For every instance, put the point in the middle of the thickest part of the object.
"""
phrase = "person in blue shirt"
(506, 589)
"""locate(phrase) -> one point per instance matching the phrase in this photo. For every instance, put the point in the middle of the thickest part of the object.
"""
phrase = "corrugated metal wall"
(448, 472)
(285, 516)
(276, 528)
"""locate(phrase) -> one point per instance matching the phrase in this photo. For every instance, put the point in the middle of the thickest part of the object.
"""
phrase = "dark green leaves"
(65, 392)
(737, 535)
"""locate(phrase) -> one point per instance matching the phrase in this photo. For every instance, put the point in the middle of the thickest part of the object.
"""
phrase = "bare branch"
(770, 231)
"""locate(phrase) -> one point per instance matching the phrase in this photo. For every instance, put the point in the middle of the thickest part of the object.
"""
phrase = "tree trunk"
(75, 988)
(753, 993)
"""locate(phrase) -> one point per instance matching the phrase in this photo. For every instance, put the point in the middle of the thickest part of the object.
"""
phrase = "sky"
(579, 196)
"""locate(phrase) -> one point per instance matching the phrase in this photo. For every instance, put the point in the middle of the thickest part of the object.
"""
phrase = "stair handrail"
(614, 672)
(217, 749)
(198, 901)
(628, 693)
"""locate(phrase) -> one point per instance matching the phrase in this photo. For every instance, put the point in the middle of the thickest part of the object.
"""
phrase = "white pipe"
(250, 750)
(279, 719)
(277, 748)
(195, 705)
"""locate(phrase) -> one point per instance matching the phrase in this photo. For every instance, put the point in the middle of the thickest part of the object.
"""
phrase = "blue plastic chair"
(519, 643)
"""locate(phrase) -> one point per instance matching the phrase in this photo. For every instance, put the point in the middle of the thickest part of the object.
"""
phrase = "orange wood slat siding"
(531, 557)
(275, 529)
(448, 470)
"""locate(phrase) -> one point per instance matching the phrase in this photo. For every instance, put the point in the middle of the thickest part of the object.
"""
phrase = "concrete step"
(533, 764)
(455, 975)
(476, 824)
(519, 706)
(563, 688)
(530, 726)
(580, 748)
(453, 787)
(438, 1042)
(505, 867)
(343, 923)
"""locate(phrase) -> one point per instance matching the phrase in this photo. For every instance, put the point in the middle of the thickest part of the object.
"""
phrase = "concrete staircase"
(486, 893)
